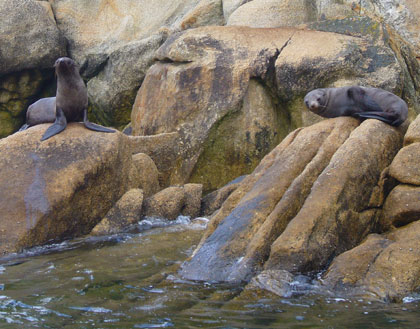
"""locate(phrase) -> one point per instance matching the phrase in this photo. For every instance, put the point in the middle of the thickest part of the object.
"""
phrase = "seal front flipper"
(58, 126)
(382, 116)
(93, 126)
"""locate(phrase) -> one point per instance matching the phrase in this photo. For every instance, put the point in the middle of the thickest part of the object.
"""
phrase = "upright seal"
(70, 103)
(358, 102)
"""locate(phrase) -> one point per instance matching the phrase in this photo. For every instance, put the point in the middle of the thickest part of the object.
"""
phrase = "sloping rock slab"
(307, 201)
(241, 232)
(59, 188)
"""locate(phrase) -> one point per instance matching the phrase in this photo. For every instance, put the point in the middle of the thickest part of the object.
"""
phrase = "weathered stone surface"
(273, 13)
(413, 132)
(402, 206)
(167, 203)
(207, 12)
(59, 188)
(383, 267)
(240, 234)
(214, 86)
(144, 174)
(125, 212)
(29, 36)
(276, 281)
(113, 90)
(214, 200)
(336, 216)
(193, 193)
(405, 166)
(99, 27)
(165, 151)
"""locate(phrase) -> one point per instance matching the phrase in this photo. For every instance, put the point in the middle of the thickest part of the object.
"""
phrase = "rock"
(325, 225)
(29, 37)
(276, 281)
(300, 206)
(60, 188)
(404, 167)
(112, 91)
(144, 174)
(167, 203)
(214, 200)
(164, 149)
(30, 44)
(383, 267)
(207, 12)
(273, 13)
(222, 79)
(174, 201)
(112, 24)
(413, 132)
(402, 206)
(125, 212)
(229, 6)
(192, 205)
(240, 234)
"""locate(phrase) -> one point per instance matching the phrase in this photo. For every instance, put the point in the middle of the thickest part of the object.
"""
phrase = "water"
(130, 281)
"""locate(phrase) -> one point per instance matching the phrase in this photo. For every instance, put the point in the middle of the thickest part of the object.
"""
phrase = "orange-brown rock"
(125, 212)
(383, 267)
(144, 174)
(60, 188)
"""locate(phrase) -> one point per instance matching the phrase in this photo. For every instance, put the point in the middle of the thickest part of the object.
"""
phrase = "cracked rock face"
(310, 199)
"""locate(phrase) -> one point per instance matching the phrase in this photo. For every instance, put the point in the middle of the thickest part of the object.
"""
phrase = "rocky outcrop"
(60, 188)
(232, 93)
(124, 213)
(383, 267)
(313, 197)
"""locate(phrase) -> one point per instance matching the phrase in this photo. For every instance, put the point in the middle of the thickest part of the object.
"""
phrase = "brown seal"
(358, 102)
(70, 103)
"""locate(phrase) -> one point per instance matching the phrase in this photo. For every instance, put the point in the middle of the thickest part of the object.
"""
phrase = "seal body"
(42, 111)
(359, 102)
(69, 104)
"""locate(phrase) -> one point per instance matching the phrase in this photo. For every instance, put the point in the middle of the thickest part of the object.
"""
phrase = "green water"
(130, 281)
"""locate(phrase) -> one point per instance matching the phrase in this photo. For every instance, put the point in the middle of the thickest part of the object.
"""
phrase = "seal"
(42, 111)
(69, 104)
(358, 102)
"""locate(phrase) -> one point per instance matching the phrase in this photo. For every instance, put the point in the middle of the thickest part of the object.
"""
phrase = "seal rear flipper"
(382, 116)
(93, 126)
(58, 126)
(24, 127)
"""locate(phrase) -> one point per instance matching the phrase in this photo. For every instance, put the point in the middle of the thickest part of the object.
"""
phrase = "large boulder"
(313, 197)
(29, 36)
(232, 93)
(383, 267)
(59, 188)
(30, 44)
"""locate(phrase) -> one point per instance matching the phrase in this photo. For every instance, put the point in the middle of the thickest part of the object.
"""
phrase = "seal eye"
(318, 99)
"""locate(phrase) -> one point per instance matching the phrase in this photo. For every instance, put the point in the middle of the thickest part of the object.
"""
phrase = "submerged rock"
(60, 188)
(310, 199)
